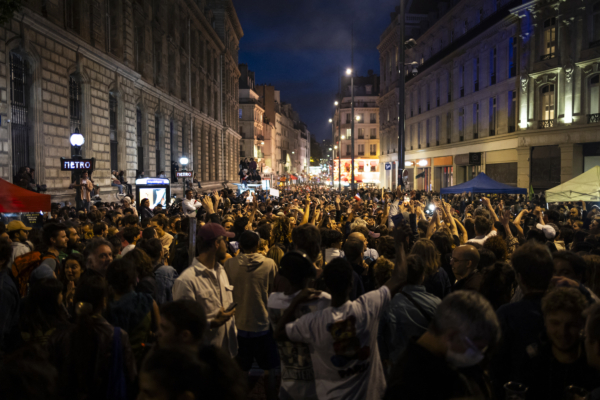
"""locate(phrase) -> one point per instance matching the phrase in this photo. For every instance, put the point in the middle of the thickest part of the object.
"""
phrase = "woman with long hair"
(71, 269)
(436, 279)
(144, 209)
(92, 351)
(282, 232)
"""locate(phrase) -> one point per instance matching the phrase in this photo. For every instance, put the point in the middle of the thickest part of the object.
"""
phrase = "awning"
(483, 184)
(584, 187)
(293, 177)
(15, 199)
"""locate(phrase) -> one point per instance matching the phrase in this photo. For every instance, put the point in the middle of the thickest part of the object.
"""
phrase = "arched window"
(20, 107)
(112, 116)
(549, 38)
(594, 114)
(174, 143)
(548, 106)
(159, 144)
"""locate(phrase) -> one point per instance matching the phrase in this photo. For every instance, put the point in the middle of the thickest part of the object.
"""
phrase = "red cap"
(212, 231)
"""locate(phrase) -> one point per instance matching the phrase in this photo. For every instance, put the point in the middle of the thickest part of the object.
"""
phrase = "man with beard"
(73, 243)
(18, 233)
(206, 282)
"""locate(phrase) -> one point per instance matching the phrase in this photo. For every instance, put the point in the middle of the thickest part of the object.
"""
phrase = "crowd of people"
(248, 172)
(367, 295)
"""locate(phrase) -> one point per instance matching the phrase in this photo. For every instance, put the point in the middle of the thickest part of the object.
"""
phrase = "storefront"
(468, 166)
(365, 171)
(423, 174)
(443, 173)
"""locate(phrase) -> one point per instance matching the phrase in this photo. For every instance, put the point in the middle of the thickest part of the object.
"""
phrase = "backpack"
(24, 265)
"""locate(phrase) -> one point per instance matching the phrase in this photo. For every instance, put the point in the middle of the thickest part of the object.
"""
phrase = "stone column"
(571, 161)
(523, 166)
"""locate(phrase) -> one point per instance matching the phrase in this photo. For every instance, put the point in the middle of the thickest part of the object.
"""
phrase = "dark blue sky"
(299, 45)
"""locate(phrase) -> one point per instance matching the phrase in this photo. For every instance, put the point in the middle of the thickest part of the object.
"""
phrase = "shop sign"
(388, 166)
(474, 158)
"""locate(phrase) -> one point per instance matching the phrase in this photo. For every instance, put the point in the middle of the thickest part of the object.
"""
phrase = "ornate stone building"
(510, 88)
(144, 81)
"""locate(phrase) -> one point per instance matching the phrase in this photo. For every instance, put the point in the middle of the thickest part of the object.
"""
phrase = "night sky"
(299, 46)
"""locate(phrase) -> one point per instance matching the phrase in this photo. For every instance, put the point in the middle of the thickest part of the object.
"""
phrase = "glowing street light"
(358, 117)
(184, 161)
(330, 120)
(336, 103)
(349, 71)
(335, 147)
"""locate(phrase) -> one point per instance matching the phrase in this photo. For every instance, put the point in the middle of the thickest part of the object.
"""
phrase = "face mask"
(469, 358)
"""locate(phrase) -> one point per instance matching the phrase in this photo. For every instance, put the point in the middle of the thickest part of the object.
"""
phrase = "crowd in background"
(366, 295)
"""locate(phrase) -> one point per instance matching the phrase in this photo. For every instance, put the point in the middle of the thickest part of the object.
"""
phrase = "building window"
(174, 139)
(461, 124)
(418, 100)
(112, 28)
(348, 118)
(476, 75)
(138, 47)
(493, 66)
(373, 149)
(452, 36)
(72, 15)
(596, 25)
(548, 103)
(496, 5)
(549, 39)
(373, 118)
(493, 116)
(140, 144)
(361, 149)
(373, 134)
(412, 136)
(437, 131)
(428, 97)
(512, 57)
(159, 144)
(594, 98)
(419, 135)
(75, 103)
(465, 27)
(348, 150)
(114, 144)
(476, 121)
(512, 111)
(449, 127)
(361, 118)
(449, 86)
(480, 16)
(427, 133)
(348, 133)
(412, 103)
(437, 92)
(461, 78)
(361, 133)
(20, 103)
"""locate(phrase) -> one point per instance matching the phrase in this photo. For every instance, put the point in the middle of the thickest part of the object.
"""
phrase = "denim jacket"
(165, 277)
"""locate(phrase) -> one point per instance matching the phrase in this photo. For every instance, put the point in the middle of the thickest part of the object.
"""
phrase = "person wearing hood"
(252, 276)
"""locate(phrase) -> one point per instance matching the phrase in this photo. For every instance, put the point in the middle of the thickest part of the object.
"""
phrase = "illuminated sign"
(184, 174)
(152, 181)
(388, 166)
(67, 164)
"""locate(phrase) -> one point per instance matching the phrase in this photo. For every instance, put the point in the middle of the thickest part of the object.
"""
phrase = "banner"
(274, 192)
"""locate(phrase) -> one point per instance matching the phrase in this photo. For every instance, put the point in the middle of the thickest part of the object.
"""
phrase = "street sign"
(69, 164)
(388, 166)
(183, 174)
(474, 158)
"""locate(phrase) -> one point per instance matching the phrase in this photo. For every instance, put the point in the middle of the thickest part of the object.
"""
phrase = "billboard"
(365, 170)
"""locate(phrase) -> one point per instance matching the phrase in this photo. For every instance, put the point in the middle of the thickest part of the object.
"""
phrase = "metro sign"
(183, 174)
(76, 165)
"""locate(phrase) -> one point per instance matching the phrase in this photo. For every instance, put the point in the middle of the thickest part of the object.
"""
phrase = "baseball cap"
(212, 231)
(549, 231)
(16, 226)
(126, 199)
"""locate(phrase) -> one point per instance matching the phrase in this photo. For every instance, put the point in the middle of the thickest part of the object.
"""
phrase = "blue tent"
(483, 184)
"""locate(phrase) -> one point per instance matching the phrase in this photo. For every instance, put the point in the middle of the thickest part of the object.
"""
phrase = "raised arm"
(488, 205)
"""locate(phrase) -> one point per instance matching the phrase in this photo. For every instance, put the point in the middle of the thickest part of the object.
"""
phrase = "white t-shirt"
(343, 347)
(297, 374)
(127, 249)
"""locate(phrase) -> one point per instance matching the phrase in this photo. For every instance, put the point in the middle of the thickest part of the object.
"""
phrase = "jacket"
(210, 288)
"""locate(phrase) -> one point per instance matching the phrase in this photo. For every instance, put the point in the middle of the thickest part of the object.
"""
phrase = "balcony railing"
(545, 123)
(361, 153)
(260, 137)
(595, 43)
(547, 57)
(373, 153)
(361, 136)
(373, 137)
(593, 118)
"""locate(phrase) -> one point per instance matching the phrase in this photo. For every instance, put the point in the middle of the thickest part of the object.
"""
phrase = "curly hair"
(498, 246)
(383, 269)
(281, 230)
(564, 299)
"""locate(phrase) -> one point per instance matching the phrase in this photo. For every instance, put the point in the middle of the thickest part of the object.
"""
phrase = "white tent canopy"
(585, 187)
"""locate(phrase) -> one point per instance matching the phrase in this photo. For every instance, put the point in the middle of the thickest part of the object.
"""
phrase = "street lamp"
(184, 161)
(330, 120)
(358, 117)
(335, 103)
(77, 140)
(350, 73)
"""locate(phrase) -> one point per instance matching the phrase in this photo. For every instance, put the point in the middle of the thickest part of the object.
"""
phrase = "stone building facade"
(252, 127)
(145, 82)
(287, 139)
(366, 130)
(510, 88)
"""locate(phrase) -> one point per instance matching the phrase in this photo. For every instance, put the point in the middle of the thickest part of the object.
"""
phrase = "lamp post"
(338, 104)
(350, 73)
(77, 140)
(401, 83)
(184, 161)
